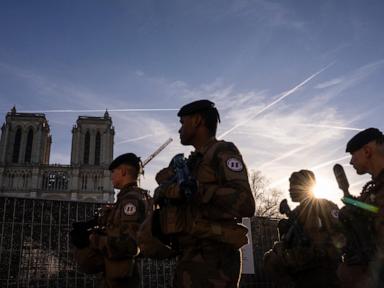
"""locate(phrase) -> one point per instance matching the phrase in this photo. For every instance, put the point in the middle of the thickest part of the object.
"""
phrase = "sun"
(324, 189)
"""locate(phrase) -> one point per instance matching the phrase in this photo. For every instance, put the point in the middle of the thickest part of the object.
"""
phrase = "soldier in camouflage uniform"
(363, 262)
(203, 223)
(113, 250)
(307, 253)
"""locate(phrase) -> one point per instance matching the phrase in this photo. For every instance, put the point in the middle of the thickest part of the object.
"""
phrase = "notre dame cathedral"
(25, 171)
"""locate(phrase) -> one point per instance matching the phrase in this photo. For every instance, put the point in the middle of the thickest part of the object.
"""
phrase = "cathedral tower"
(92, 141)
(25, 139)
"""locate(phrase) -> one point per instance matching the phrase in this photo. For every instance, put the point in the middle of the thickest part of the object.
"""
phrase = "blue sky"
(293, 80)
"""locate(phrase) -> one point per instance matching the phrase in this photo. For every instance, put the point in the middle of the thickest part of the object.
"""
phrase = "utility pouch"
(173, 220)
(89, 260)
(234, 234)
(149, 238)
(118, 269)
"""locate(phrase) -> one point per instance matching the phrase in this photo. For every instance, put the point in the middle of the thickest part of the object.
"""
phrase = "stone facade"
(25, 171)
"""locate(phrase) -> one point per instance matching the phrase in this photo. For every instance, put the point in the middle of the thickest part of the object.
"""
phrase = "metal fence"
(35, 250)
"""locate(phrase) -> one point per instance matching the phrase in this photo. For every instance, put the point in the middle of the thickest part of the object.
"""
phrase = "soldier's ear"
(123, 170)
(197, 120)
(368, 149)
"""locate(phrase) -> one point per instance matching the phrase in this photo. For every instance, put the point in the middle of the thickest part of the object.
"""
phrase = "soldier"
(113, 250)
(202, 213)
(363, 261)
(307, 253)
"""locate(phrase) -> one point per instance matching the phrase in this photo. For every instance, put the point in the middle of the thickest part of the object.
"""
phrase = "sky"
(293, 80)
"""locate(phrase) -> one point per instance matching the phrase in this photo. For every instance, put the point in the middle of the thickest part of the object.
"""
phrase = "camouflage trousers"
(208, 266)
(362, 276)
(131, 282)
(92, 262)
(318, 275)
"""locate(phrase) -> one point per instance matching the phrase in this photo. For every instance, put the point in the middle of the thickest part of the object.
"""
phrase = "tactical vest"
(120, 267)
(197, 219)
(359, 225)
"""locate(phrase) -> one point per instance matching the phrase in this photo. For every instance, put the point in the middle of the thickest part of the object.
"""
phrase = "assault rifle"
(294, 235)
(356, 218)
(183, 176)
(79, 235)
(348, 199)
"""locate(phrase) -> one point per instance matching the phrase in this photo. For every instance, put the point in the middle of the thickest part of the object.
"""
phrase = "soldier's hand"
(93, 239)
(164, 174)
(189, 187)
(79, 238)
(167, 190)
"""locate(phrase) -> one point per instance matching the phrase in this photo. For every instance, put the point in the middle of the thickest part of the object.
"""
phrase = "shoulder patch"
(335, 213)
(129, 209)
(234, 164)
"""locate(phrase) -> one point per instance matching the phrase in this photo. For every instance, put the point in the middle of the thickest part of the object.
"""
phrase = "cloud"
(100, 110)
(139, 73)
(329, 83)
(330, 126)
(263, 12)
(280, 98)
(274, 135)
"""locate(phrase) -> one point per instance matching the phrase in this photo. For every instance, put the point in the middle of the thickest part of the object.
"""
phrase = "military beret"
(128, 159)
(364, 137)
(196, 106)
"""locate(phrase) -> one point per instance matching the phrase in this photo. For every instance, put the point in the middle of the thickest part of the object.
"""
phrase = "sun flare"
(324, 189)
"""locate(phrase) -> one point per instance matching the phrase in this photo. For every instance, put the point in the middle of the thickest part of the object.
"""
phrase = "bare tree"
(267, 199)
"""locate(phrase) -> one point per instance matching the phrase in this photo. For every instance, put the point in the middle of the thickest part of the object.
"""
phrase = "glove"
(189, 188)
(164, 175)
(79, 236)
(168, 190)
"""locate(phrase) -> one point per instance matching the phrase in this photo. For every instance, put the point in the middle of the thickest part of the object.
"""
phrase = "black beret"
(196, 106)
(364, 137)
(128, 159)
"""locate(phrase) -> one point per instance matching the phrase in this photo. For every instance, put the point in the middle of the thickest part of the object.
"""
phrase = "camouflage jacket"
(122, 221)
(319, 224)
(224, 191)
(223, 197)
(373, 193)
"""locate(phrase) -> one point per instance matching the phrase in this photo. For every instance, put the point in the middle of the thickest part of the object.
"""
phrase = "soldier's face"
(359, 161)
(296, 194)
(187, 130)
(117, 177)
(299, 192)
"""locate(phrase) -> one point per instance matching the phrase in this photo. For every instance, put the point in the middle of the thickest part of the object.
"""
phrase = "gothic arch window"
(86, 147)
(28, 148)
(97, 148)
(16, 146)
(84, 180)
(55, 181)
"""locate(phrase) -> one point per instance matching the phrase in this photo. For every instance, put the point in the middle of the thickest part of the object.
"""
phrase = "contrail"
(284, 95)
(330, 126)
(285, 155)
(329, 163)
(294, 151)
(282, 180)
(135, 139)
(100, 110)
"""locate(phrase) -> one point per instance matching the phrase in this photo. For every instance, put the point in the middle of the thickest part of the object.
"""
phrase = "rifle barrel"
(154, 154)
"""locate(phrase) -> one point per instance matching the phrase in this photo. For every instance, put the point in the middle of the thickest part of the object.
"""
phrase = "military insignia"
(335, 213)
(129, 209)
(234, 164)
